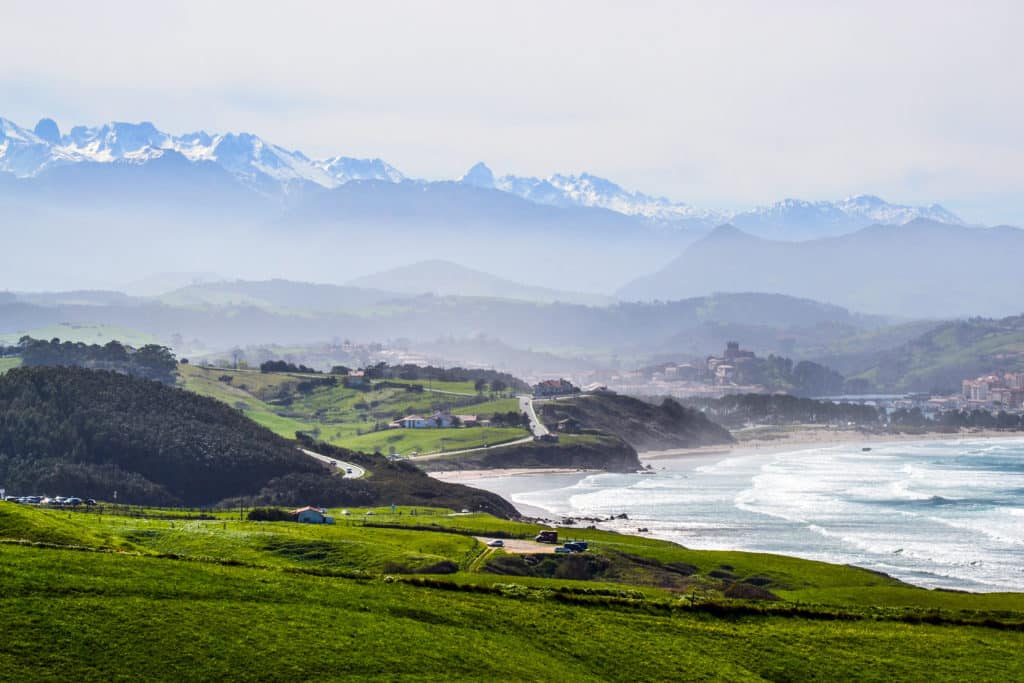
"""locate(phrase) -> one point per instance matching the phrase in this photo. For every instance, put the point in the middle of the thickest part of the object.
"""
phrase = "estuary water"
(946, 514)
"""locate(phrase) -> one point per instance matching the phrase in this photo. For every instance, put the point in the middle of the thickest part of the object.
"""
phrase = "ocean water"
(944, 514)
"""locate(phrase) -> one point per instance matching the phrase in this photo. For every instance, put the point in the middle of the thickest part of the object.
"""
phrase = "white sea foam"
(938, 513)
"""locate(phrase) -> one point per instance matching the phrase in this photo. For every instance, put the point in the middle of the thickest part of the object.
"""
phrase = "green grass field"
(88, 333)
(423, 441)
(348, 417)
(8, 363)
(160, 599)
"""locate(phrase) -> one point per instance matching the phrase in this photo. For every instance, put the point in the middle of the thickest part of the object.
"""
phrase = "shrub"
(269, 515)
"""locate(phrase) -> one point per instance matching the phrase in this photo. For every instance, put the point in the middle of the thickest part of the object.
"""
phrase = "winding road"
(526, 406)
(350, 470)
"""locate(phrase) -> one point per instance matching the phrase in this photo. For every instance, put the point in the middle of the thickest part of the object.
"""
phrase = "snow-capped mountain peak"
(590, 190)
(344, 169)
(480, 176)
(270, 168)
(248, 157)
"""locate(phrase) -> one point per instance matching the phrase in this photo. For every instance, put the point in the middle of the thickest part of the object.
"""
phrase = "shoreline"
(801, 440)
(457, 476)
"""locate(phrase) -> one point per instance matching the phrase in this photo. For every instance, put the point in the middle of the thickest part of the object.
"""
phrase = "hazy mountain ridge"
(939, 359)
(922, 269)
(221, 315)
(445, 278)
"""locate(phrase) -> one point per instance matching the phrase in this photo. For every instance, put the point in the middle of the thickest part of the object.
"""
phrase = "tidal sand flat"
(939, 514)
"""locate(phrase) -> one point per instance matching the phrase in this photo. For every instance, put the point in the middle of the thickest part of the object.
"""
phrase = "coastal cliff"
(596, 431)
(642, 425)
(576, 451)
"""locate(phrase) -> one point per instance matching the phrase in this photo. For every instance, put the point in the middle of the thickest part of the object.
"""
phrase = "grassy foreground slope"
(174, 613)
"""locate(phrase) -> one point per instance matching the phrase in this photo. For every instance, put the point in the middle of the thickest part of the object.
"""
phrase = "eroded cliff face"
(643, 426)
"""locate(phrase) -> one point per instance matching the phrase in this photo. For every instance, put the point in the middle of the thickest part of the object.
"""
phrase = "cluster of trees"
(285, 366)
(805, 378)
(736, 410)
(152, 361)
(497, 381)
(512, 418)
(72, 431)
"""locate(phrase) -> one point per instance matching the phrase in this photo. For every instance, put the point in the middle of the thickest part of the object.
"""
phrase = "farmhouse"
(312, 515)
(554, 387)
(419, 422)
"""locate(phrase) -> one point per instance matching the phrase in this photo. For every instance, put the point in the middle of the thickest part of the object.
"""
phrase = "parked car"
(577, 546)
(497, 543)
(348, 471)
(562, 549)
(547, 536)
(73, 501)
(90, 501)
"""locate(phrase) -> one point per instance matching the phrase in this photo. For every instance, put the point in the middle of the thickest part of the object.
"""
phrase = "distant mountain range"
(272, 171)
(789, 218)
(224, 314)
(445, 278)
(923, 269)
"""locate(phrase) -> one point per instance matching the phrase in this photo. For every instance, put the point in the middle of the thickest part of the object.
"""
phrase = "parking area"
(518, 546)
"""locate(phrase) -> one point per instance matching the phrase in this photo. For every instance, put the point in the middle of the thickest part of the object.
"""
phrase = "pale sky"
(718, 104)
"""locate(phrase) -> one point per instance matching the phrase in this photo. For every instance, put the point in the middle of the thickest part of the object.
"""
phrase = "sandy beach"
(784, 441)
(461, 476)
(813, 437)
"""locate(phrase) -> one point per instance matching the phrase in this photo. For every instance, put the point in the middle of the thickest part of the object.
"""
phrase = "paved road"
(501, 444)
(355, 473)
(526, 406)
(537, 428)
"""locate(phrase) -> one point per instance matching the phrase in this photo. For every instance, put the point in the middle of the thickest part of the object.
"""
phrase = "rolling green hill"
(98, 434)
(940, 358)
(188, 599)
(355, 418)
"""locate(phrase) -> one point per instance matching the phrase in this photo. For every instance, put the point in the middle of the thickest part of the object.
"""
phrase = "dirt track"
(518, 546)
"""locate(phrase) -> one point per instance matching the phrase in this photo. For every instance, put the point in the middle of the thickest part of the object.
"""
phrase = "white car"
(497, 543)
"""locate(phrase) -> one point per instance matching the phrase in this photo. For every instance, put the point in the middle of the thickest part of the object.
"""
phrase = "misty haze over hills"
(131, 196)
(99, 207)
(921, 269)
